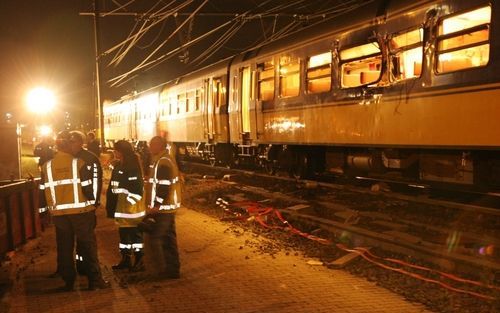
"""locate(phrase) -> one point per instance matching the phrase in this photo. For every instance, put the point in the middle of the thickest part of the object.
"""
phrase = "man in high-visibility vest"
(163, 197)
(67, 185)
(94, 165)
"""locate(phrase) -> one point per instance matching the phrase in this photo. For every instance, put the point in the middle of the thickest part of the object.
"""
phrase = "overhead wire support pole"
(98, 73)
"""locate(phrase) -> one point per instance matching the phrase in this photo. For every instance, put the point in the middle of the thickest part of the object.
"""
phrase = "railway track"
(456, 236)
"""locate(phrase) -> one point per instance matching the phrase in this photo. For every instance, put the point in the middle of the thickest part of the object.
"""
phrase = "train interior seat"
(454, 64)
(351, 80)
(367, 77)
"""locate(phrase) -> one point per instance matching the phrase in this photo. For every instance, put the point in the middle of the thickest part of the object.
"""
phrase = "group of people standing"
(139, 199)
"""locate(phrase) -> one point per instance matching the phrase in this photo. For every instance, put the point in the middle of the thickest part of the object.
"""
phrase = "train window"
(361, 65)
(289, 76)
(463, 40)
(198, 99)
(181, 102)
(319, 73)
(190, 101)
(406, 54)
(266, 81)
(218, 91)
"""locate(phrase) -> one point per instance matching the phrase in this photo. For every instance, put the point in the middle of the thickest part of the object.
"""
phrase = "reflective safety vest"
(163, 185)
(66, 192)
(124, 196)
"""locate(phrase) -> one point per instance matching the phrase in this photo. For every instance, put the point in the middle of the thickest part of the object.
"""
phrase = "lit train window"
(463, 40)
(198, 99)
(319, 73)
(190, 101)
(219, 93)
(406, 54)
(181, 102)
(266, 81)
(361, 65)
(289, 76)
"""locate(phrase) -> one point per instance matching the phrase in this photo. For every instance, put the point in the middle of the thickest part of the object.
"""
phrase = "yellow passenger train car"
(404, 89)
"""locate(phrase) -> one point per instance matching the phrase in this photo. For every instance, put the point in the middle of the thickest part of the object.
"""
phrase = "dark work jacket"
(94, 166)
(124, 194)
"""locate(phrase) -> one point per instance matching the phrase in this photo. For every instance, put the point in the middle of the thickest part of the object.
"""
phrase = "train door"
(217, 101)
(131, 120)
(209, 111)
(245, 88)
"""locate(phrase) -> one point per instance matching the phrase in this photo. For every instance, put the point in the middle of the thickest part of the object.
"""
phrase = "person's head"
(63, 141)
(124, 152)
(90, 136)
(157, 145)
(76, 141)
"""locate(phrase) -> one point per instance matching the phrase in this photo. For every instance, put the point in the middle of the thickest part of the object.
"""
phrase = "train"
(405, 90)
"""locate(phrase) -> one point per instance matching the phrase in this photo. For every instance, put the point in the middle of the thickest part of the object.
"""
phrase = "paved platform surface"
(220, 273)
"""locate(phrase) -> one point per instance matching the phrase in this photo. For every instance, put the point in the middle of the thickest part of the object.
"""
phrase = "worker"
(91, 161)
(43, 151)
(124, 202)
(163, 196)
(93, 144)
(69, 196)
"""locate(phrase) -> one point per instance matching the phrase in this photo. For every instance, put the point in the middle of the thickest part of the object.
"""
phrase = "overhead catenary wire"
(290, 28)
(153, 23)
(171, 35)
(120, 55)
(167, 55)
(120, 7)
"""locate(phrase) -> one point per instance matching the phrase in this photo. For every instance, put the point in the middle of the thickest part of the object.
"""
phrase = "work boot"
(80, 268)
(125, 262)
(138, 262)
(99, 284)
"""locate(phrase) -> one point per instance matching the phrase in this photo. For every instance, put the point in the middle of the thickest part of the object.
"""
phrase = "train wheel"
(212, 161)
(269, 167)
(299, 170)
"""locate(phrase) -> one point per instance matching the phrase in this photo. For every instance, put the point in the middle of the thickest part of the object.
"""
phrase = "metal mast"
(98, 72)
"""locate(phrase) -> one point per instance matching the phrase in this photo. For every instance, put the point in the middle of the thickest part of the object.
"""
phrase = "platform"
(220, 273)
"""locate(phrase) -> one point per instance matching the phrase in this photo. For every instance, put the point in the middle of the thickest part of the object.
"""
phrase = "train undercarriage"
(464, 169)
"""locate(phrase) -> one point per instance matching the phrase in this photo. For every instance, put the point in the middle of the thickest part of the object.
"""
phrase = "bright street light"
(41, 100)
(45, 131)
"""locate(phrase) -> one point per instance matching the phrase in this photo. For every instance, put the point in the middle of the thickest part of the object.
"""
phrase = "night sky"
(45, 42)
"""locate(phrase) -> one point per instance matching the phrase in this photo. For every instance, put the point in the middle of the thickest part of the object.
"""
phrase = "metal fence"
(19, 217)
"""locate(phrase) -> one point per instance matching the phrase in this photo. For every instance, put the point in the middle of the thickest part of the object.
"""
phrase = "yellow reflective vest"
(163, 186)
(67, 185)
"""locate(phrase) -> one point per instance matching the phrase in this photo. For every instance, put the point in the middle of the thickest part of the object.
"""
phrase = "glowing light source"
(45, 131)
(40, 100)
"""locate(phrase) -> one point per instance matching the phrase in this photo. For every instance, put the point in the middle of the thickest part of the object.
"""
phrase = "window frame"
(310, 69)
(281, 76)
(341, 63)
(391, 53)
(440, 38)
(261, 67)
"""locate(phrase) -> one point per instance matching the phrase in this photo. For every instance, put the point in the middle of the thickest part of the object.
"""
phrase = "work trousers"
(163, 240)
(130, 239)
(80, 227)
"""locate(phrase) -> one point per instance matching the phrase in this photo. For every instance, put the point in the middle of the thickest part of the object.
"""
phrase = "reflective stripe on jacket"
(163, 184)
(94, 166)
(67, 185)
